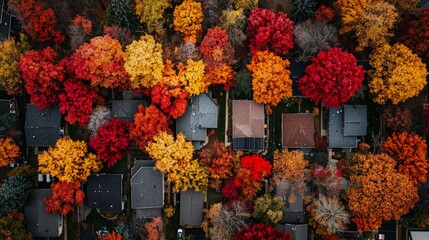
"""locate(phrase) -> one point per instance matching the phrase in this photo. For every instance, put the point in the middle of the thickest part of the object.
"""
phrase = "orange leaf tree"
(64, 196)
(219, 161)
(410, 151)
(9, 151)
(111, 236)
(188, 19)
(350, 13)
(101, 62)
(397, 74)
(148, 121)
(271, 82)
(12, 226)
(155, 229)
(378, 192)
(69, 161)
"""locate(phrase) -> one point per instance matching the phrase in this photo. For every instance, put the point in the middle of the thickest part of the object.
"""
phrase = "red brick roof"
(298, 130)
(247, 119)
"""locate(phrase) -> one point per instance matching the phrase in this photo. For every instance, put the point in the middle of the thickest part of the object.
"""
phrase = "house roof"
(129, 95)
(336, 138)
(125, 109)
(147, 190)
(39, 222)
(355, 120)
(201, 114)
(298, 130)
(42, 127)
(247, 119)
(104, 191)
(191, 208)
(5, 25)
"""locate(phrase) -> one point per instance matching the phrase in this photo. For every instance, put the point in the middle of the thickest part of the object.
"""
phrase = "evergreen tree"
(119, 13)
(14, 194)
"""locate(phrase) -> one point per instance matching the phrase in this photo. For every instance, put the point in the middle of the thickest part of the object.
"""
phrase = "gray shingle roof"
(40, 223)
(42, 127)
(104, 191)
(125, 109)
(5, 25)
(191, 208)
(201, 114)
(355, 120)
(336, 138)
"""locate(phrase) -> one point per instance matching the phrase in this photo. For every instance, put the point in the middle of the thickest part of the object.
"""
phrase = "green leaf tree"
(119, 13)
(14, 194)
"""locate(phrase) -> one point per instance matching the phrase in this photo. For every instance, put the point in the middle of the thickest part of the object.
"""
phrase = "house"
(147, 189)
(248, 126)
(6, 22)
(39, 222)
(298, 130)
(346, 124)
(201, 114)
(191, 208)
(42, 127)
(104, 192)
(126, 108)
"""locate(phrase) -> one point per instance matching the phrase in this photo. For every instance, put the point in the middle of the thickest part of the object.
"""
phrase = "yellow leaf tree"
(188, 19)
(174, 158)
(143, 62)
(271, 82)
(9, 151)
(397, 75)
(151, 13)
(191, 76)
(10, 53)
(69, 161)
(350, 12)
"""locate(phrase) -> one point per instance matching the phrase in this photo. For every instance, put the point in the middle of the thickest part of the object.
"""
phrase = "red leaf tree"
(173, 100)
(148, 121)
(333, 78)
(77, 100)
(111, 141)
(101, 61)
(37, 20)
(219, 161)
(42, 75)
(261, 231)
(416, 35)
(64, 197)
(268, 30)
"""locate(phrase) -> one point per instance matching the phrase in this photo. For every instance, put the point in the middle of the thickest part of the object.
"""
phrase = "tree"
(101, 62)
(155, 229)
(79, 31)
(324, 14)
(171, 99)
(405, 6)
(290, 167)
(12, 226)
(303, 9)
(24, 170)
(64, 197)
(234, 21)
(69, 161)
(313, 37)
(378, 192)
(77, 100)
(268, 209)
(143, 62)
(244, 82)
(268, 30)
(123, 35)
(261, 231)
(188, 19)
(174, 158)
(152, 13)
(415, 35)
(100, 115)
(350, 12)
(332, 78)
(37, 20)
(111, 236)
(222, 221)
(191, 76)
(271, 82)
(112, 141)
(148, 121)
(244, 4)
(216, 48)
(410, 152)
(397, 74)
(42, 75)
(14, 194)
(119, 13)
(10, 53)
(398, 119)
(374, 27)
(219, 161)
(9, 151)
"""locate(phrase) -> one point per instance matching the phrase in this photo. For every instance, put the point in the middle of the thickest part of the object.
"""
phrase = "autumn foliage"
(151, 13)
(64, 197)
(111, 236)
(271, 81)
(69, 161)
(378, 192)
(268, 30)
(155, 229)
(148, 121)
(172, 100)
(12, 226)
(42, 75)
(350, 13)
(332, 78)
(324, 14)
(188, 18)
(261, 231)
(409, 150)
(416, 35)
(398, 119)
(397, 74)
(101, 62)
(112, 141)
(77, 101)
(9, 151)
